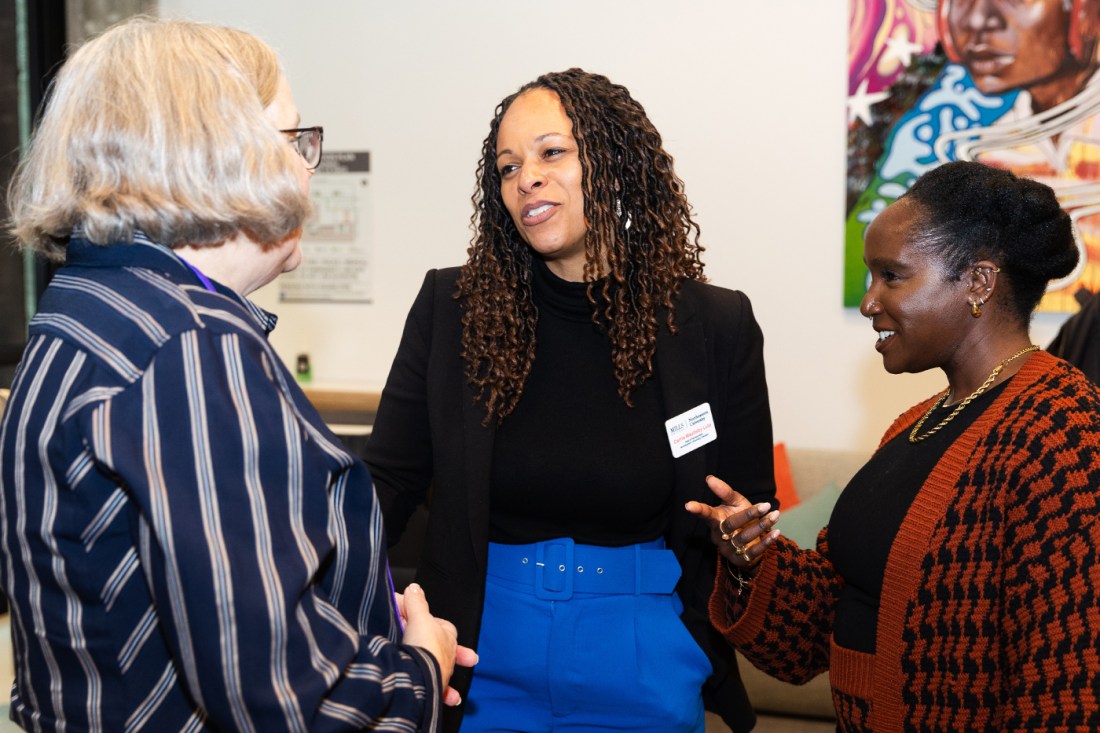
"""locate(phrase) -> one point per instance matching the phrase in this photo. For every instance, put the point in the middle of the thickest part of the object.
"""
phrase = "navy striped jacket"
(185, 545)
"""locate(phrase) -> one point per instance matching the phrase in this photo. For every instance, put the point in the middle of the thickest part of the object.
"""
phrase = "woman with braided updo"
(558, 399)
(956, 585)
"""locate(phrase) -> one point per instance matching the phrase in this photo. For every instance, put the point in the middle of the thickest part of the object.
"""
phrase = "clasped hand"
(438, 636)
(741, 530)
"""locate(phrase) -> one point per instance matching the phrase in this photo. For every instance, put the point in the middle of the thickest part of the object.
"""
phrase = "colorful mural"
(1011, 83)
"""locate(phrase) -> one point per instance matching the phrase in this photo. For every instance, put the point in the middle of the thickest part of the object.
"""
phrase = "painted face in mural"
(1022, 44)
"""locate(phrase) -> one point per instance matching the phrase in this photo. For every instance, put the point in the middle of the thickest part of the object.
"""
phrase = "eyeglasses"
(307, 141)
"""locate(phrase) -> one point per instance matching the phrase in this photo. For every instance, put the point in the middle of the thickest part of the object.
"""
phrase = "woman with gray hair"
(185, 545)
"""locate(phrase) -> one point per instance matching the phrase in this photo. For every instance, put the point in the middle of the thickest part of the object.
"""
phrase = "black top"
(573, 460)
(869, 513)
(1078, 340)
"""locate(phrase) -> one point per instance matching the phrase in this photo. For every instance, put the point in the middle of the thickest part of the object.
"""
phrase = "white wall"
(749, 96)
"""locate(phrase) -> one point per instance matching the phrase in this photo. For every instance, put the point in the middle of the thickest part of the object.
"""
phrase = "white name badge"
(690, 430)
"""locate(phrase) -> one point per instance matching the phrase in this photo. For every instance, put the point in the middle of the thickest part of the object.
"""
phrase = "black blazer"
(429, 445)
(1078, 340)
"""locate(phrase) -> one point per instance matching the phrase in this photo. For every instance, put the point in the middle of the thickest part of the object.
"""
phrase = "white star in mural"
(901, 49)
(859, 104)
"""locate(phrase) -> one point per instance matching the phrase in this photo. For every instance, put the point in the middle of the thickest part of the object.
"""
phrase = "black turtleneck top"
(573, 460)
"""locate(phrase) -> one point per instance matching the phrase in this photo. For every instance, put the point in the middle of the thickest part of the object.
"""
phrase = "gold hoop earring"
(976, 308)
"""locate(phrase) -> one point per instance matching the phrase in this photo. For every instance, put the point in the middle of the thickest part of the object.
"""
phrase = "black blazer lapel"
(682, 370)
(478, 454)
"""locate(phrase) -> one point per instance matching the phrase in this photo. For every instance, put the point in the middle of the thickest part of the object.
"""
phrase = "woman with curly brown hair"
(558, 399)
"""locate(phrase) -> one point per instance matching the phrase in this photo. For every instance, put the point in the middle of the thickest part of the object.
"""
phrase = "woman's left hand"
(742, 531)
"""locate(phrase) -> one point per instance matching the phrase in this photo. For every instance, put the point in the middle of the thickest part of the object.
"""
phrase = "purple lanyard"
(202, 278)
(393, 594)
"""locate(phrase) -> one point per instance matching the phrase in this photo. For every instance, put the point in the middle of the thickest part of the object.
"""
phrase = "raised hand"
(742, 531)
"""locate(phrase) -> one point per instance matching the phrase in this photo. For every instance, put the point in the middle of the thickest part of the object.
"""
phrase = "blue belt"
(556, 569)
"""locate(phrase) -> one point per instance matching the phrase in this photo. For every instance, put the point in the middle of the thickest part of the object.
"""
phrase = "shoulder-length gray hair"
(159, 126)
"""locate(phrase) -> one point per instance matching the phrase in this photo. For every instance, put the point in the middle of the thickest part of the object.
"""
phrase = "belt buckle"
(554, 570)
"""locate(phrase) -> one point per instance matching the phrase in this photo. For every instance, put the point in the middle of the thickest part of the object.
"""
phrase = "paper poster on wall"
(1009, 84)
(336, 246)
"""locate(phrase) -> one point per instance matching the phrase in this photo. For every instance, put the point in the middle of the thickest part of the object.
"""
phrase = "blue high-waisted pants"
(583, 638)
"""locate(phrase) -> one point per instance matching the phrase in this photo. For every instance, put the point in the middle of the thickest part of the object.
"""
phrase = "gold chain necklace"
(914, 438)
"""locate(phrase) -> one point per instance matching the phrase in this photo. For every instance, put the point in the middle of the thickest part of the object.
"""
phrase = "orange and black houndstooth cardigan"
(990, 610)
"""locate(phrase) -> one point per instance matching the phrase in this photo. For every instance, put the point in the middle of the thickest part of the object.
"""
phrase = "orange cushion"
(784, 483)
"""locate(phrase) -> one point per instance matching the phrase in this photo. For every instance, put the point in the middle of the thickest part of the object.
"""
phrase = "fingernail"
(413, 588)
